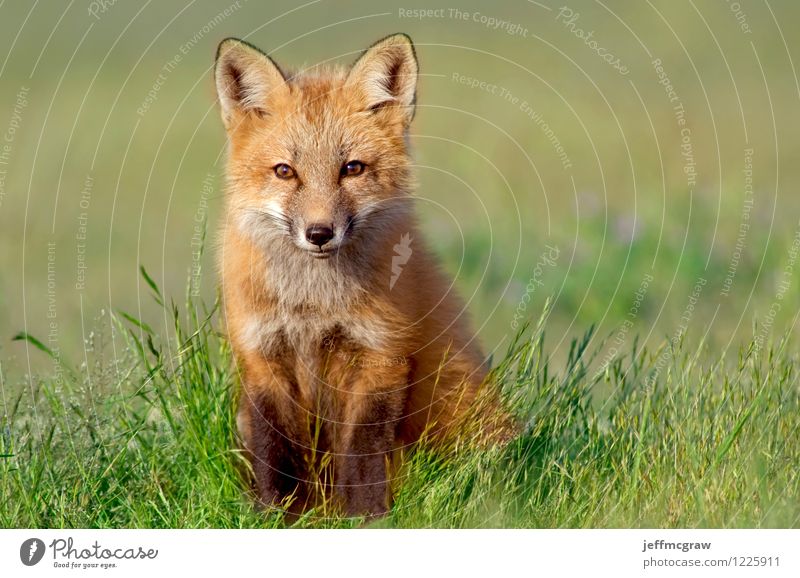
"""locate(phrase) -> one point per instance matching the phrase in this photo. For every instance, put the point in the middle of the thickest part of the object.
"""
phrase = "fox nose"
(319, 234)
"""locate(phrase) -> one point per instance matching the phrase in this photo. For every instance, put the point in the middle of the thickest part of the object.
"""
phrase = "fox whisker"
(369, 213)
(279, 219)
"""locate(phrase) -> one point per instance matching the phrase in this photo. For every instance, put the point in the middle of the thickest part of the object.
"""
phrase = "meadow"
(611, 185)
(675, 437)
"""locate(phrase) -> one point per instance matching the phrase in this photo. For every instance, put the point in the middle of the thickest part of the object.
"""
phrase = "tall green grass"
(676, 437)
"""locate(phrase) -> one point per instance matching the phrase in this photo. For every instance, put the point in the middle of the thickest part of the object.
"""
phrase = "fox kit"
(349, 340)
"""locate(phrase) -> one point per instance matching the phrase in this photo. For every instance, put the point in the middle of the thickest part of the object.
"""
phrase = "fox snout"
(319, 234)
(321, 237)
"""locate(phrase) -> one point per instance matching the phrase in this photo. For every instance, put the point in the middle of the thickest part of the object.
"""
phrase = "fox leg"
(269, 421)
(366, 439)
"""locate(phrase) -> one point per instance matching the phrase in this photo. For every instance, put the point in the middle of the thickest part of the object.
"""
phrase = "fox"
(348, 338)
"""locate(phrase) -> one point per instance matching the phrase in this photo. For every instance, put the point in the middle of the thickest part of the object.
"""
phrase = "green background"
(494, 191)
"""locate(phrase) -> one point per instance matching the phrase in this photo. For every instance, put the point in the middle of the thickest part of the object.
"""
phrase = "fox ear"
(386, 75)
(246, 78)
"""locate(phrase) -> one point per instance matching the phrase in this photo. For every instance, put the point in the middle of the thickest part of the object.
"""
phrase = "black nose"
(319, 234)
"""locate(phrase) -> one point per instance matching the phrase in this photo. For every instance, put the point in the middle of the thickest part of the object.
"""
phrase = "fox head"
(318, 160)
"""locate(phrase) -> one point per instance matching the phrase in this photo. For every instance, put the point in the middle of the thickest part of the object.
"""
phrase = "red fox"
(348, 338)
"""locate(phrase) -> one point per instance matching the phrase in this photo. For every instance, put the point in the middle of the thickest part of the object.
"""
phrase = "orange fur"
(345, 334)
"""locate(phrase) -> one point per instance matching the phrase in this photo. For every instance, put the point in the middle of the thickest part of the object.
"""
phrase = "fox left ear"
(248, 81)
(386, 75)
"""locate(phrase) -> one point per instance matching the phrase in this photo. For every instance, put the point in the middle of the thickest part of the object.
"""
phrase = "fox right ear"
(247, 79)
(386, 74)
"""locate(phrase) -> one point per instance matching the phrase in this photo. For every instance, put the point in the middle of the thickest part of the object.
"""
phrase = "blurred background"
(636, 162)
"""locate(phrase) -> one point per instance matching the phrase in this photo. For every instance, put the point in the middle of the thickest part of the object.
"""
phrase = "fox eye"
(352, 168)
(284, 171)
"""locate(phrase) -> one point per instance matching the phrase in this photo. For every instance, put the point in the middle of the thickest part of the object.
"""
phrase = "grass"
(675, 437)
